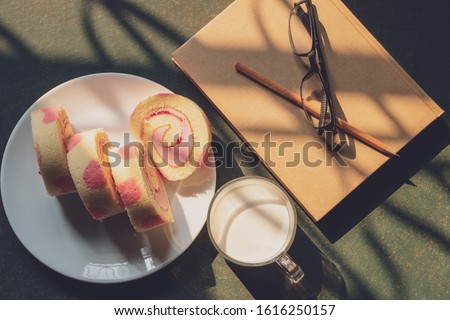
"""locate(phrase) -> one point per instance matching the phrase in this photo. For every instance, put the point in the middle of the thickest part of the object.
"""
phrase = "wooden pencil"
(294, 98)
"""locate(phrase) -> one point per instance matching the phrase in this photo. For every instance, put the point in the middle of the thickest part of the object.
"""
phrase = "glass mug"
(252, 222)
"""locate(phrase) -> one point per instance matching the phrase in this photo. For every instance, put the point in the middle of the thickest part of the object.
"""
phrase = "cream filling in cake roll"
(141, 188)
(88, 163)
(176, 131)
(51, 131)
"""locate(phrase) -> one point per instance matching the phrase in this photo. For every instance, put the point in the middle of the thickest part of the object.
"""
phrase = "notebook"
(371, 92)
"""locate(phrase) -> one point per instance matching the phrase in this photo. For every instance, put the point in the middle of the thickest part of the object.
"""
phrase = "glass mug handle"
(291, 269)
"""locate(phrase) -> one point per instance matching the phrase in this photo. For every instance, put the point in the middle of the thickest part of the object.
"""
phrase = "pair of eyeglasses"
(304, 41)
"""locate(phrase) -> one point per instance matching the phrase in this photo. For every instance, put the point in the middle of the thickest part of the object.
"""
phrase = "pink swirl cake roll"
(88, 163)
(177, 132)
(51, 131)
(141, 188)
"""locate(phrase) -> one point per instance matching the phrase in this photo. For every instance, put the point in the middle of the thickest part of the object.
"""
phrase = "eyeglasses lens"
(300, 29)
(312, 91)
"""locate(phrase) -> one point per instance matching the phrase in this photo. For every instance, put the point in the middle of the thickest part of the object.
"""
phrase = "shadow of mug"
(253, 224)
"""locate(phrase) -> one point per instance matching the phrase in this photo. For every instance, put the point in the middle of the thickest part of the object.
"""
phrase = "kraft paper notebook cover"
(372, 92)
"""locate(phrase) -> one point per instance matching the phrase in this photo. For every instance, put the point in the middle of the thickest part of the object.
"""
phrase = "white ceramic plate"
(58, 231)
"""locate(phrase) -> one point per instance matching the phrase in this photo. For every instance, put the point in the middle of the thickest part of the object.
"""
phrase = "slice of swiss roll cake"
(51, 132)
(89, 166)
(140, 187)
(176, 132)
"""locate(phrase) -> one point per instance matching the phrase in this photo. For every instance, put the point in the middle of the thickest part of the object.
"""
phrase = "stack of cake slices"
(174, 138)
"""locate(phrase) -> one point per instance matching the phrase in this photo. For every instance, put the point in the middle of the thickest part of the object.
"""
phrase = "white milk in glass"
(252, 221)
